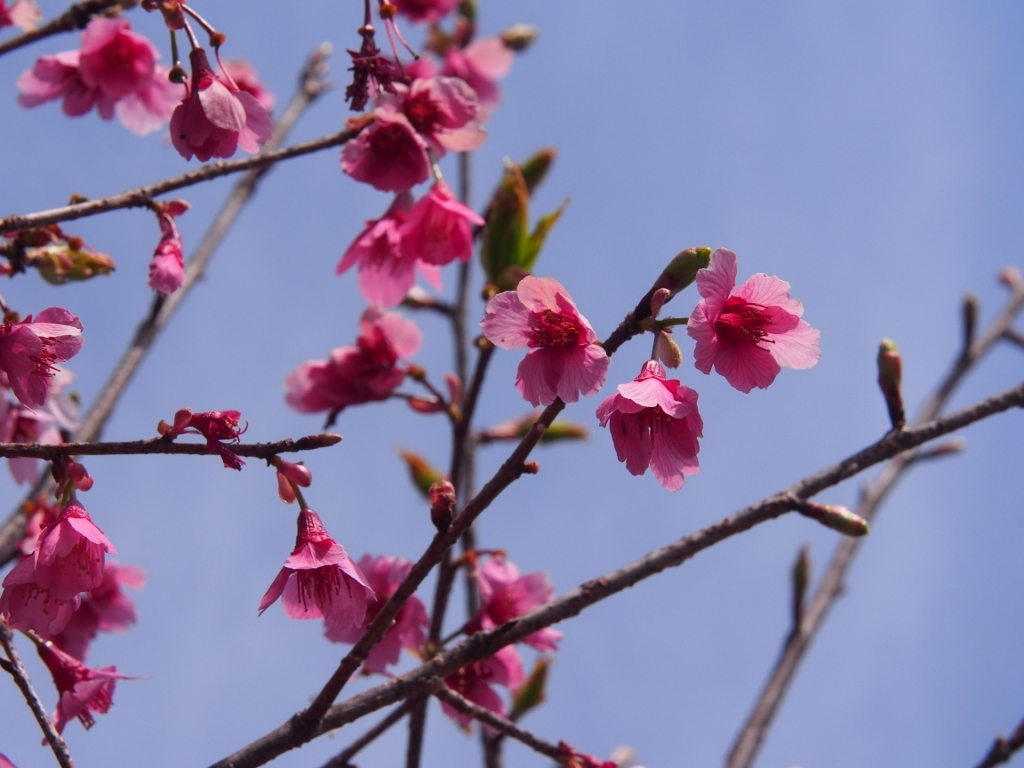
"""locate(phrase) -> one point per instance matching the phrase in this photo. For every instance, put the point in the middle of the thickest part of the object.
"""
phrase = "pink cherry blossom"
(82, 690)
(564, 360)
(388, 154)
(115, 71)
(216, 118)
(384, 575)
(748, 333)
(475, 680)
(24, 14)
(29, 606)
(5, 762)
(29, 351)
(215, 426)
(21, 424)
(505, 595)
(364, 373)
(70, 553)
(167, 268)
(319, 580)
(105, 608)
(655, 423)
(442, 110)
(429, 11)
(440, 228)
(479, 64)
(386, 271)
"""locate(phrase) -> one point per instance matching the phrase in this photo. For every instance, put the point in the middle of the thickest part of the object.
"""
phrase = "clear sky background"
(869, 153)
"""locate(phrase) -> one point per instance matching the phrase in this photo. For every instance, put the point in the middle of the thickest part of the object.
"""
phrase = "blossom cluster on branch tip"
(748, 334)
(369, 371)
(423, 236)
(44, 588)
(565, 359)
(504, 595)
(115, 71)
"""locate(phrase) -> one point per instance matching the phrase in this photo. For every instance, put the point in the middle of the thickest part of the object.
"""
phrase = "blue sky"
(869, 153)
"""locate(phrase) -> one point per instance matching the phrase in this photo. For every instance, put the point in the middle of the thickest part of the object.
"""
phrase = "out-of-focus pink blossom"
(475, 680)
(429, 11)
(29, 606)
(30, 350)
(114, 71)
(388, 154)
(384, 574)
(105, 608)
(319, 580)
(386, 270)
(439, 229)
(70, 553)
(505, 595)
(364, 373)
(564, 360)
(480, 63)
(82, 690)
(442, 110)
(654, 423)
(167, 268)
(5, 762)
(216, 118)
(243, 74)
(748, 333)
(21, 13)
(20, 424)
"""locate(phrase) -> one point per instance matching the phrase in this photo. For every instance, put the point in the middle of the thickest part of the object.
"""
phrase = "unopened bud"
(834, 516)
(679, 273)
(532, 693)
(658, 301)
(531, 467)
(890, 377)
(288, 474)
(801, 577)
(536, 167)
(970, 319)
(59, 264)
(519, 37)
(422, 473)
(442, 504)
(1010, 276)
(666, 349)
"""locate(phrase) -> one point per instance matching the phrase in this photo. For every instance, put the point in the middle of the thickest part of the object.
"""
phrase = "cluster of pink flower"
(64, 591)
(115, 71)
(29, 353)
(748, 334)
(504, 595)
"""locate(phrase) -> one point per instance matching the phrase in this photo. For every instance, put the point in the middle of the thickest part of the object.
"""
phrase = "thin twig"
(143, 196)
(161, 445)
(498, 723)
(298, 730)
(17, 670)
(1003, 749)
(311, 85)
(752, 734)
(341, 760)
(75, 17)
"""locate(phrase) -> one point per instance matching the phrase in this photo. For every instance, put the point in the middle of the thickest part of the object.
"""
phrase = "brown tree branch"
(312, 84)
(1003, 749)
(162, 445)
(343, 758)
(754, 730)
(75, 17)
(17, 670)
(299, 729)
(498, 723)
